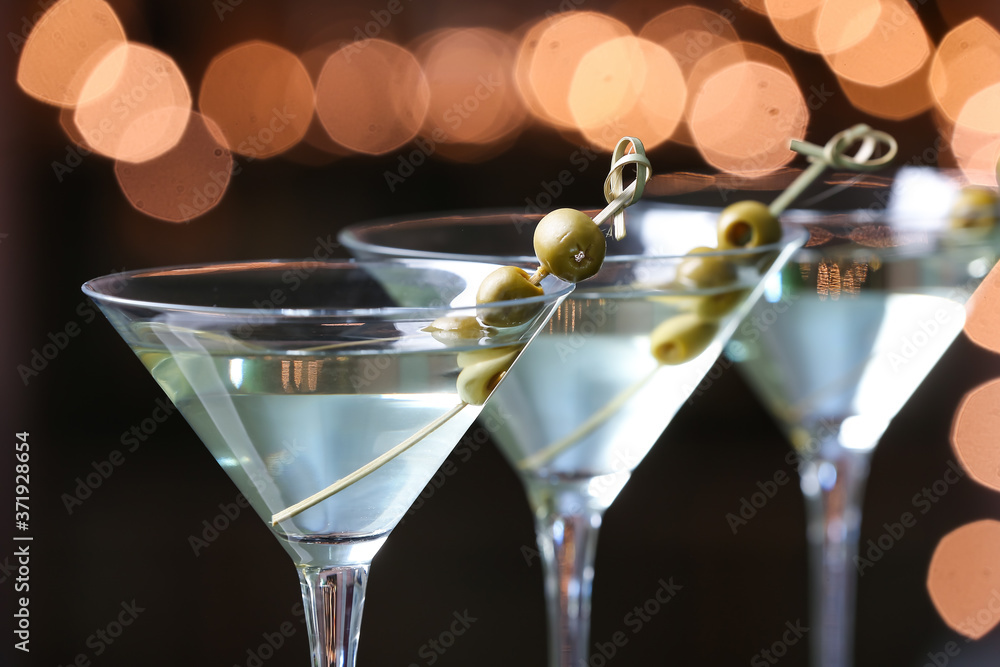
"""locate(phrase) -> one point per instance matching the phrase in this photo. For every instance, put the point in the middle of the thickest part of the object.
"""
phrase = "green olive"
(705, 272)
(715, 306)
(455, 329)
(164, 369)
(569, 245)
(975, 208)
(747, 224)
(473, 357)
(504, 284)
(477, 381)
(706, 306)
(682, 338)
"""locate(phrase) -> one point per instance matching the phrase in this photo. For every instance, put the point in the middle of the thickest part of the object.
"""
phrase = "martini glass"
(345, 366)
(845, 335)
(590, 399)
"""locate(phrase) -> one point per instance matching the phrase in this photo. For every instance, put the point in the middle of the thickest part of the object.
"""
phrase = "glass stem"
(833, 483)
(334, 598)
(568, 542)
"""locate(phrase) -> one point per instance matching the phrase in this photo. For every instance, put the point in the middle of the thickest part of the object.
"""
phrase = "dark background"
(465, 548)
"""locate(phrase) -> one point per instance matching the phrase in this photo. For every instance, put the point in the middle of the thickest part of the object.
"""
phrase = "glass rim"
(791, 234)
(90, 289)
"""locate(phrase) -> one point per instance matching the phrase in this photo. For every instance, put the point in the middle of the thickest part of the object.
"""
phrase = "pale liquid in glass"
(853, 361)
(592, 351)
(285, 427)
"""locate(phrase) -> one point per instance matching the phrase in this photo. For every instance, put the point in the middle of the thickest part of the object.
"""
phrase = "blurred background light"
(143, 110)
(796, 21)
(975, 138)
(964, 580)
(261, 97)
(983, 322)
(872, 42)
(368, 118)
(64, 47)
(550, 59)
(627, 86)
(473, 96)
(965, 62)
(744, 116)
(184, 182)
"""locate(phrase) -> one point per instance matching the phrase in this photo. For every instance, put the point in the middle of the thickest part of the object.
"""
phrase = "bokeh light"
(144, 110)
(796, 20)
(627, 87)
(317, 148)
(964, 578)
(966, 61)
(372, 96)
(744, 117)
(841, 25)
(184, 182)
(982, 324)
(473, 97)
(872, 42)
(900, 100)
(260, 96)
(974, 433)
(689, 33)
(975, 139)
(724, 56)
(548, 59)
(64, 47)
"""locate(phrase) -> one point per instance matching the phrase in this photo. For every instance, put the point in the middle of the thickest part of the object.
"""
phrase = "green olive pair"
(745, 224)
(570, 246)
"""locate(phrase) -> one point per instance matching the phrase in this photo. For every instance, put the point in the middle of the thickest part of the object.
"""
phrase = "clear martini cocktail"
(602, 380)
(855, 323)
(350, 367)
